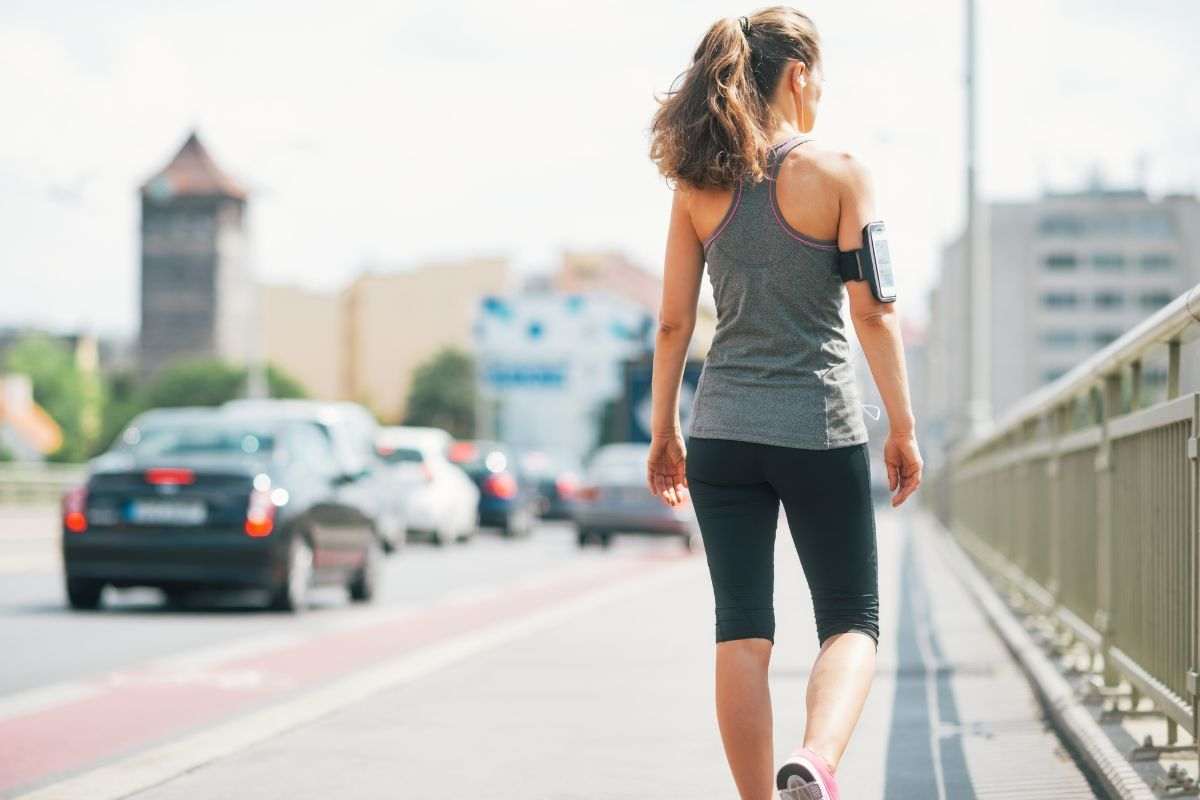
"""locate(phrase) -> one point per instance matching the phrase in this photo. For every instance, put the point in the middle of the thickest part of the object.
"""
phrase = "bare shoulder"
(836, 166)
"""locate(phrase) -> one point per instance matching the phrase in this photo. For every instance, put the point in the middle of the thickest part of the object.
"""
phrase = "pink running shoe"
(806, 776)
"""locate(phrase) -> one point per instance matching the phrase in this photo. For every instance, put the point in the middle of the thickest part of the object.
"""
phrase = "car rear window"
(400, 455)
(178, 440)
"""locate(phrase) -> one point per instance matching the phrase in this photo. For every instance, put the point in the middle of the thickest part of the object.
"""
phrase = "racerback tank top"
(778, 371)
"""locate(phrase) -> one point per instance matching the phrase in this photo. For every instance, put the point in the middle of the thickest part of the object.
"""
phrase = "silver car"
(614, 499)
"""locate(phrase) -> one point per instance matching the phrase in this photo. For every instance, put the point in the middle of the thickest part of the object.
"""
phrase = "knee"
(745, 651)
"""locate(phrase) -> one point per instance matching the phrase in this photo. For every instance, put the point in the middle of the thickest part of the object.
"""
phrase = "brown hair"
(712, 131)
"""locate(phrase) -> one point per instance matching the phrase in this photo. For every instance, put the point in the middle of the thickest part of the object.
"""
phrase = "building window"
(1108, 262)
(1060, 225)
(1157, 262)
(1060, 338)
(1061, 262)
(1060, 300)
(1108, 299)
(1103, 338)
(1152, 301)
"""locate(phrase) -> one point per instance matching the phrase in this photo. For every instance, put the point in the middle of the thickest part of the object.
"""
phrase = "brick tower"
(198, 296)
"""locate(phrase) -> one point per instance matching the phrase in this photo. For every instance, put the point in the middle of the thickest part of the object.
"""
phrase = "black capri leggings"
(736, 488)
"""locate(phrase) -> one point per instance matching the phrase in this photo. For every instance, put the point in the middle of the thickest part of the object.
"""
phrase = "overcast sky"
(391, 132)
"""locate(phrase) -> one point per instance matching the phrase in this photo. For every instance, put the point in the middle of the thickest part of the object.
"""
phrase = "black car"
(556, 478)
(508, 500)
(199, 501)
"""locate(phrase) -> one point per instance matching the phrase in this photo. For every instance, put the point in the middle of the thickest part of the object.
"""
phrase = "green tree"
(122, 402)
(443, 393)
(281, 384)
(195, 382)
(59, 387)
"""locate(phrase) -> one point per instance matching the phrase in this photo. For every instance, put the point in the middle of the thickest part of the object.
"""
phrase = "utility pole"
(977, 250)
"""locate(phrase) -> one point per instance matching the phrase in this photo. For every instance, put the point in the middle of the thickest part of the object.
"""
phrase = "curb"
(1073, 722)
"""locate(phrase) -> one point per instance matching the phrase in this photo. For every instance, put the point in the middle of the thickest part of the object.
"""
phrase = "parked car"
(351, 431)
(507, 500)
(208, 500)
(614, 499)
(555, 476)
(441, 501)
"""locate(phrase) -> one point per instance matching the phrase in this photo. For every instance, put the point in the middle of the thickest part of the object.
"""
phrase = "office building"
(1070, 273)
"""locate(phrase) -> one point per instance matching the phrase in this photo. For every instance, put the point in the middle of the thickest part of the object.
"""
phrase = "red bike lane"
(130, 710)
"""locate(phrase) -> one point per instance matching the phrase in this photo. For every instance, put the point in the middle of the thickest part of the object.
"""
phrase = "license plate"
(167, 512)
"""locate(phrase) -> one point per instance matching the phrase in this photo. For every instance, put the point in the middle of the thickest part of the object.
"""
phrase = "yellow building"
(362, 343)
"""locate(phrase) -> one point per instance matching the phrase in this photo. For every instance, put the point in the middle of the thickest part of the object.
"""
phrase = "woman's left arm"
(682, 272)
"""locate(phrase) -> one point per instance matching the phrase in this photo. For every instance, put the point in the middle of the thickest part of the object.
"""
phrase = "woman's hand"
(665, 469)
(904, 465)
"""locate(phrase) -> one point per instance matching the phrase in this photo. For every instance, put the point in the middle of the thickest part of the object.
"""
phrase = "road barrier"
(37, 484)
(1083, 502)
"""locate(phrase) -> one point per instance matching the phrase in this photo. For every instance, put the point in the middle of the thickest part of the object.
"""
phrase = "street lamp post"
(978, 412)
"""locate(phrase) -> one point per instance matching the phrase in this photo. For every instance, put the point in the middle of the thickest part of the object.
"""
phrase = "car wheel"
(606, 540)
(366, 580)
(84, 594)
(292, 594)
(583, 537)
(437, 538)
(689, 542)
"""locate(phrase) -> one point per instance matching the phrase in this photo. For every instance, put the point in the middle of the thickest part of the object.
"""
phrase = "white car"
(441, 501)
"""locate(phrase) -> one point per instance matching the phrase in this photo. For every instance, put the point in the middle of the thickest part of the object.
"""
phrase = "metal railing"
(1083, 500)
(37, 484)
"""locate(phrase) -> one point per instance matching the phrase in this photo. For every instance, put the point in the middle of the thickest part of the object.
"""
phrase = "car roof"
(409, 435)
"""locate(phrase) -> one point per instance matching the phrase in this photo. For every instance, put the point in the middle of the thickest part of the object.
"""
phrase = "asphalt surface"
(44, 641)
(521, 669)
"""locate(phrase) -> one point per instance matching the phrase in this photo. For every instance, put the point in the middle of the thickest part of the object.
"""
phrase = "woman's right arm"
(878, 328)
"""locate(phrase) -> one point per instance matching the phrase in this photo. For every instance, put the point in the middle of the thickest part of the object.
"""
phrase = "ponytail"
(713, 130)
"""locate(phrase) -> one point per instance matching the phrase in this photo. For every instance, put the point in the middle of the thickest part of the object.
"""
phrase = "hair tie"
(745, 23)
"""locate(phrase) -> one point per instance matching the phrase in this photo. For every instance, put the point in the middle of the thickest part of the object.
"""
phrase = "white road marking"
(160, 764)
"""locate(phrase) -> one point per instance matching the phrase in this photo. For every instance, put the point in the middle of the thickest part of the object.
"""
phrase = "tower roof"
(193, 172)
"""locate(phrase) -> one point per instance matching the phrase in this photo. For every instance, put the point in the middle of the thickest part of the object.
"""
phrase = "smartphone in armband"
(871, 263)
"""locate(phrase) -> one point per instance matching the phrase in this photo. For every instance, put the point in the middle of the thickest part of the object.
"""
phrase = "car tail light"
(427, 472)
(501, 485)
(588, 493)
(567, 485)
(74, 509)
(170, 476)
(260, 514)
(460, 452)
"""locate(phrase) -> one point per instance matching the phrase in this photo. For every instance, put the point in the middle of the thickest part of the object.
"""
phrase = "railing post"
(1057, 424)
(1193, 677)
(1109, 407)
(1174, 348)
(1135, 385)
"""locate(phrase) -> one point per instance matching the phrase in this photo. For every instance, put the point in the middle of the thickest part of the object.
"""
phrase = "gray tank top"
(778, 371)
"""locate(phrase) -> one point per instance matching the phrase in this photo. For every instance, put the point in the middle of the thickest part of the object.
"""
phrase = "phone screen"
(883, 262)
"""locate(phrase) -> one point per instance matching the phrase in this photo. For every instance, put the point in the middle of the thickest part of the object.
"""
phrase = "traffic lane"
(46, 643)
(130, 710)
(28, 539)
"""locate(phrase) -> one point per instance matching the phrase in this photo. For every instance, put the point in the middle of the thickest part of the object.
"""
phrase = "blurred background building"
(198, 297)
(550, 361)
(1071, 272)
(363, 342)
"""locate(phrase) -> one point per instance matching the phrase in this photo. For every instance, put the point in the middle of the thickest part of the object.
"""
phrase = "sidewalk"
(616, 702)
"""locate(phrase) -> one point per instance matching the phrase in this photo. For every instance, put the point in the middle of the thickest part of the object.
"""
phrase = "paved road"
(500, 669)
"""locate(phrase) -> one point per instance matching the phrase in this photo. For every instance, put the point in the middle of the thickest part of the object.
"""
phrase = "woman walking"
(776, 417)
